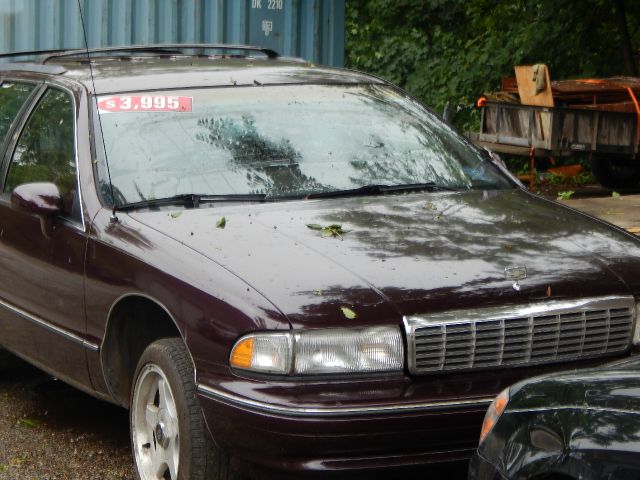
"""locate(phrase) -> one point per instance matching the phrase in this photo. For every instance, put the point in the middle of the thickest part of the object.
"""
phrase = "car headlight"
(493, 413)
(321, 351)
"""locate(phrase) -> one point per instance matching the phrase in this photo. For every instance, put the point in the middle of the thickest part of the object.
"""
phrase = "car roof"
(137, 72)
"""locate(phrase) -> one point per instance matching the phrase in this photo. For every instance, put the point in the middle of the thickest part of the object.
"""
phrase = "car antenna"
(114, 217)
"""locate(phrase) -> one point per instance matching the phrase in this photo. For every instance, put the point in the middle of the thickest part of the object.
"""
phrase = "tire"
(169, 437)
(616, 173)
(3, 356)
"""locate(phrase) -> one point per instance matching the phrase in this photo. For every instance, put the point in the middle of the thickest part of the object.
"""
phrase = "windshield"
(291, 140)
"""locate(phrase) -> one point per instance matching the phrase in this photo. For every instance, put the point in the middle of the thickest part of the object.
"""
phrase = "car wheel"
(168, 434)
(616, 172)
(4, 356)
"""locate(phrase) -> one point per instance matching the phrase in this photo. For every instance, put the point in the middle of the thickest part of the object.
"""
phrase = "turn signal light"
(493, 413)
(242, 353)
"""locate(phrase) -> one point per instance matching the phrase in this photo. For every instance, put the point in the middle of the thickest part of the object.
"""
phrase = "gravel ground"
(50, 431)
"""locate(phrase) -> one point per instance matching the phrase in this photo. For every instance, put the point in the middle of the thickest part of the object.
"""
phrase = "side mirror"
(41, 198)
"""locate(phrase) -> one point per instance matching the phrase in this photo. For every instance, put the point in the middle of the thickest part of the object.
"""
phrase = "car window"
(279, 141)
(45, 151)
(12, 97)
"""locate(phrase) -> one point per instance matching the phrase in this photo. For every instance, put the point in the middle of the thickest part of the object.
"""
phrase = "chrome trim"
(572, 407)
(338, 411)
(555, 307)
(48, 326)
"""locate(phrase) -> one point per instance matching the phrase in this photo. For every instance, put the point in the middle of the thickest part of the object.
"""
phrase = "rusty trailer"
(595, 118)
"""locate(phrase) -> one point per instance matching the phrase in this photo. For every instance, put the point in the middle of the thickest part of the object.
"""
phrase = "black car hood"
(406, 254)
(610, 387)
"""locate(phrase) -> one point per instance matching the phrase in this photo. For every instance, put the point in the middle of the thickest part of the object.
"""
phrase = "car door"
(41, 257)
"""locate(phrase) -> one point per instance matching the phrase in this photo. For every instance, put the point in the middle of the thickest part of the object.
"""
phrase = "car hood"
(612, 387)
(404, 254)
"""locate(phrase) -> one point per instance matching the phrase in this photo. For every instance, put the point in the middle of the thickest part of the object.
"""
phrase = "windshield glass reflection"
(280, 140)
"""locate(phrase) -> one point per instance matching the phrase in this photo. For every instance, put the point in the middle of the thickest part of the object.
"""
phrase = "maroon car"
(279, 267)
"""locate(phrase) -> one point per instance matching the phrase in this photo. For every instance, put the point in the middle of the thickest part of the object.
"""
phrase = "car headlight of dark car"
(320, 351)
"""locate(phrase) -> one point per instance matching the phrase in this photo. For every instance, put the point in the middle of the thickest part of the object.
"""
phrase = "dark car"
(575, 425)
(279, 267)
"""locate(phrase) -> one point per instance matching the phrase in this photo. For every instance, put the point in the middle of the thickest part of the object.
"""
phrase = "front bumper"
(355, 441)
(482, 469)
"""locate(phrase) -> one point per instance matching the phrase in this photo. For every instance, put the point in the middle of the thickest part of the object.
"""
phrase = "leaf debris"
(221, 223)
(348, 313)
(566, 195)
(333, 230)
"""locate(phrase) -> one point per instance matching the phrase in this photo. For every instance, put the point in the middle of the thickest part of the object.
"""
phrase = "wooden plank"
(527, 87)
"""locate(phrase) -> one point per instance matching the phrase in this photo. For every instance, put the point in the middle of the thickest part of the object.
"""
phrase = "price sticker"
(144, 103)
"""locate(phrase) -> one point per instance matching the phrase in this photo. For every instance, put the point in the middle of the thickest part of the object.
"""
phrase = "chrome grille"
(533, 334)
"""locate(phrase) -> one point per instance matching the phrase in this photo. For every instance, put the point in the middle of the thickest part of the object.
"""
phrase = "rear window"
(279, 141)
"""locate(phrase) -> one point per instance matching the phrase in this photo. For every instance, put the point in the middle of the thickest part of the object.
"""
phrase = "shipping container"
(311, 29)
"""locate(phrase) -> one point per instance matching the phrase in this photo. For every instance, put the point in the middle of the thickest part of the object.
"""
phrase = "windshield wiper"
(190, 201)
(380, 189)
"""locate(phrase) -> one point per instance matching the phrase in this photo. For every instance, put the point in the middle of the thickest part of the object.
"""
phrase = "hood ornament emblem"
(516, 274)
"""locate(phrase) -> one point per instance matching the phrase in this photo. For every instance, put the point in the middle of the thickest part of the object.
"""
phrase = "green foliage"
(454, 50)
(556, 179)
(566, 195)
(583, 178)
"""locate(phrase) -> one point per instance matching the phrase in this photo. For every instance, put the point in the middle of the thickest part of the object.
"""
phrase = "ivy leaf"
(348, 313)
(175, 214)
(221, 223)
(615, 194)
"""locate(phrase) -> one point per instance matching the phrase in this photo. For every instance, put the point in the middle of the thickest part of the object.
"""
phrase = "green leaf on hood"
(348, 313)
(221, 223)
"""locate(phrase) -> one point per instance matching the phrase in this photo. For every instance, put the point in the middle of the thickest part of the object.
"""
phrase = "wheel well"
(133, 324)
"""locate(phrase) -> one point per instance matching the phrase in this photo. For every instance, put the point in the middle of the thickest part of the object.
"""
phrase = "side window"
(45, 151)
(12, 97)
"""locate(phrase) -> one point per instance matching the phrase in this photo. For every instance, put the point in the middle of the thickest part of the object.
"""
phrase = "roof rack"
(31, 53)
(167, 49)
